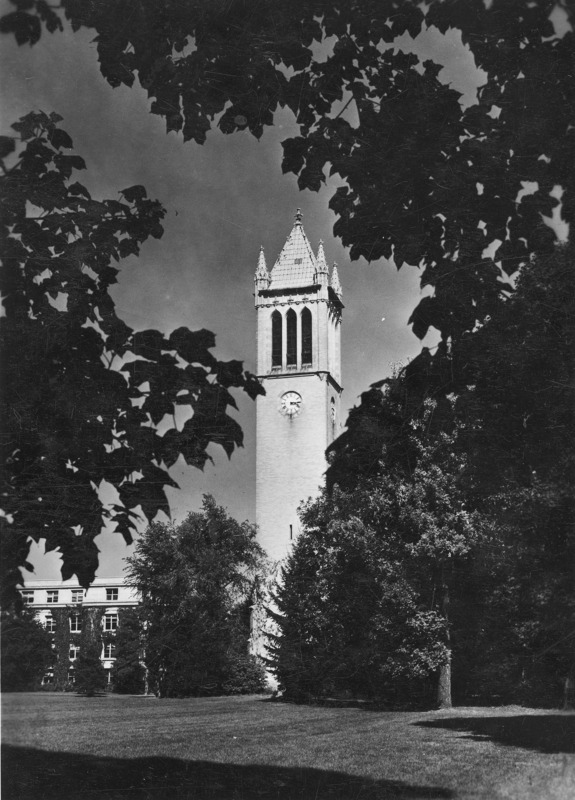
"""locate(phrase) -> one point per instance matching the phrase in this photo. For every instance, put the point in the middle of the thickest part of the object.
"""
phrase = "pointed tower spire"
(262, 277)
(335, 282)
(295, 266)
(321, 272)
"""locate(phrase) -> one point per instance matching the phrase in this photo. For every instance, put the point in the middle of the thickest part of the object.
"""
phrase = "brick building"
(70, 614)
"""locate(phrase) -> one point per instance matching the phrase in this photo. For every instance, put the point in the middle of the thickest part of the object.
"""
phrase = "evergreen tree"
(89, 672)
(128, 672)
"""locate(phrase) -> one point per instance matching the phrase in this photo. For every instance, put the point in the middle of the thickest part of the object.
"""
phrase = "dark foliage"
(196, 581)
(26, 651)
(519, 417)
(82, 392)
(245, 673)
(89, 635)
(426, 180)
(363, 603)
(511, 605)
(90, 674)
(128, 673)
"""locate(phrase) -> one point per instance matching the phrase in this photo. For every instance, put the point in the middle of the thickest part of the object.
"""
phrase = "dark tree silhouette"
(426, 180)
(82, 392)
(89, 672)
(26, 651)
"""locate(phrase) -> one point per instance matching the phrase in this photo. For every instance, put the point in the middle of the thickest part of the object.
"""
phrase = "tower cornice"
(307, 373)
(314, 287)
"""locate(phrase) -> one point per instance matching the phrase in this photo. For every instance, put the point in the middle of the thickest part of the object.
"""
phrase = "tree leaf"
(7, 146)
(25, 27)
(133, 194)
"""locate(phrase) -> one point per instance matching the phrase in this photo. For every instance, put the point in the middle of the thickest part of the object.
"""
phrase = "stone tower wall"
(290, 449)
(290, 453)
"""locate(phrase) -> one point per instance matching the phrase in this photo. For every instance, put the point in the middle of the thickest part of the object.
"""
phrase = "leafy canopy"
(513, 415)
(463, 192)
(196, 581)
(360, 607)
(83, 393)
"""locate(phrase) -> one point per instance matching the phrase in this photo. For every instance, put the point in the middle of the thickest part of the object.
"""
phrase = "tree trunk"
(444, 684)
(569, 690)
(444, 677)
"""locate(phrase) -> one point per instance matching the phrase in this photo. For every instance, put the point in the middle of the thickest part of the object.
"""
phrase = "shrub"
(246, 676)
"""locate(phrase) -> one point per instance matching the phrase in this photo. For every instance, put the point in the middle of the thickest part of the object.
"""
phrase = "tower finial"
(298, 215)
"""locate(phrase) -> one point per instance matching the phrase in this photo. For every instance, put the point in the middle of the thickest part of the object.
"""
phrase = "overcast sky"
(223, 199)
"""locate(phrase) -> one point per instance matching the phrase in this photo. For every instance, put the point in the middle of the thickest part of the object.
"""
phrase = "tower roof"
(296, 264)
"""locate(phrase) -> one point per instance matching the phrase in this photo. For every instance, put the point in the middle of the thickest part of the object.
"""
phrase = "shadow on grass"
(547, 733)
(30, 774)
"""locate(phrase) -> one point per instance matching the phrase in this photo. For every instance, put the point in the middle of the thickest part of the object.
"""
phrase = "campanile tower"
(299, 309)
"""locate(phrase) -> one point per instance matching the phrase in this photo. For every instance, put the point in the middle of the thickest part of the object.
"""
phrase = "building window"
(291, 319)
(28, 598)
(50, 624)
(111, 594)
(74, 650)
(110, 622)
(108, 676)
(77, 595)
(52, 596)
(276, 339)
(71, 676)
(306, 346)
(76, 623)
(109, 651)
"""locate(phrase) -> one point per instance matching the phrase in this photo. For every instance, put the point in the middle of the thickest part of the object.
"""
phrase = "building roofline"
(72, 583)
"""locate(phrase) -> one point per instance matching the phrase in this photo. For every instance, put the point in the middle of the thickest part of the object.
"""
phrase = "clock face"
(291, 404)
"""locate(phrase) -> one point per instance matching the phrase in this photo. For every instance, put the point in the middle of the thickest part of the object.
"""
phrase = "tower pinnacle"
(262, 277)
(335, 282)
(321, 270)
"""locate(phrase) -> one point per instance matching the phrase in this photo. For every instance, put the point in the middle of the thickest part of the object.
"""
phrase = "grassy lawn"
(64, 746)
